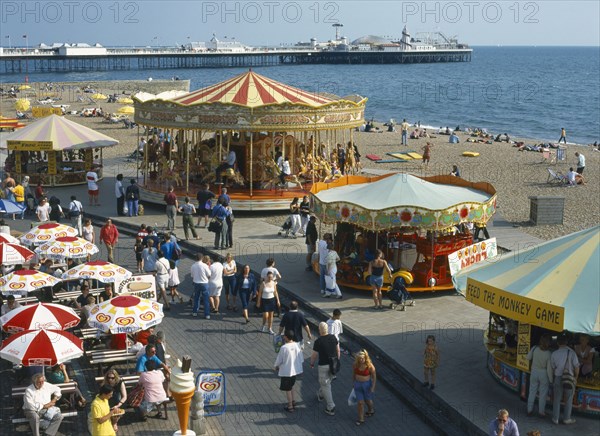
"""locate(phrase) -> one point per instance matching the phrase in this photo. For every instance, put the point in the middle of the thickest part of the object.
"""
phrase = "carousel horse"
(229, 174)
(274, 182)
(351, 166)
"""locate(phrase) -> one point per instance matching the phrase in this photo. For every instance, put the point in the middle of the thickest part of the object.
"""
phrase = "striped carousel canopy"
(252, 90)
(553, 285)
(58, 133)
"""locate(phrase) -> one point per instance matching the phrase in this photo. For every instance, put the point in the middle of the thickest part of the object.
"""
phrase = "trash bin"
(546, 210)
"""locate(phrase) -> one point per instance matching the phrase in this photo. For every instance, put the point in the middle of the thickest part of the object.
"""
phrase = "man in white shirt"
(285, 170)
(323, 251)
(43, 211)
(92, 181)
(563, 360)
(215, 285)
(580, 162)
(120, 194)
(39, 402)
(75, 214)
(200, 276)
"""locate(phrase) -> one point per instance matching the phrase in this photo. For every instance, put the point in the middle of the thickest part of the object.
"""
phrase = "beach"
(516, 175)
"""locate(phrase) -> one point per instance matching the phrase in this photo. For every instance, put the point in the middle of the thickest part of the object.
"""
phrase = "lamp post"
(8, 37)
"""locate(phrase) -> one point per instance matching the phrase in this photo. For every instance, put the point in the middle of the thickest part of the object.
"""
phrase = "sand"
(516, 175)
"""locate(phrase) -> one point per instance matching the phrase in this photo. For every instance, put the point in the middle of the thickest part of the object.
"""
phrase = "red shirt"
(109, 234)
(171, 199)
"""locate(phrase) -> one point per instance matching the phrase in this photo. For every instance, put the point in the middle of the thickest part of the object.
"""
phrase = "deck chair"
(545, 155)
(556, 176)
(561, 155)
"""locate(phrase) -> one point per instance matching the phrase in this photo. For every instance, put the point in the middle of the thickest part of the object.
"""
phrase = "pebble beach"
(516, 175)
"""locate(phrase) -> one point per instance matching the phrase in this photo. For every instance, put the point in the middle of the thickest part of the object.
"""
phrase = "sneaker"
(194, 314)
(339, 297)
(264, 329)
(322, 291)
(207, 317)
(271, 332)
(325, 295)
(555, 421)
(569, 421)
(412, 303)
(319, 397)
(330, 412)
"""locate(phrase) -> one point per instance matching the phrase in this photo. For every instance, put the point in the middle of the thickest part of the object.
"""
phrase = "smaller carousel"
(416, 222)
(55, 151)
(264, 140)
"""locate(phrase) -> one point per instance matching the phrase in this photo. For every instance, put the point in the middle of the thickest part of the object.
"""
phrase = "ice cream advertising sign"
(212, 386)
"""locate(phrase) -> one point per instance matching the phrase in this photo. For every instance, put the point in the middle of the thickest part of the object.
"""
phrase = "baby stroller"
(399, 295)
(285, 228)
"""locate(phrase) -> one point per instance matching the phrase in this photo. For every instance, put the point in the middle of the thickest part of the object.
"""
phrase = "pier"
(44, 60)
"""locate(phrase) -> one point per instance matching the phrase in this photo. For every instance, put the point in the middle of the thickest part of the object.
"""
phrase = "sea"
(529, 92)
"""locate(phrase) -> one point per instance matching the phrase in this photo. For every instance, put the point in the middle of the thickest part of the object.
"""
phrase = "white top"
(268, 290)
(280, 162)
(334, 327)
(35, 399)
(174, 277)
(5, 309)
(323, 251)
(119, 189)
(559, 360)
(43, 212)
(216, 274)
(229, 268)
(539, 358)
(580, 161)
(75, 205)
(231, 158)
(266, 270)
(289, 360)
(200, 272)
(88, 233)
(571, 175)
(162, 266)
(92, 179)
(286, 167)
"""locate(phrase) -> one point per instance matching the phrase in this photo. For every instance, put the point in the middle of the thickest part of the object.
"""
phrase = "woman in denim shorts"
(376, 270)
(364, 379)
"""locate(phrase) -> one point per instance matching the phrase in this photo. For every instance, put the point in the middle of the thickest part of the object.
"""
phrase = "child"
(174, 282)
(138, 248)
(289, 364)
(431, 361)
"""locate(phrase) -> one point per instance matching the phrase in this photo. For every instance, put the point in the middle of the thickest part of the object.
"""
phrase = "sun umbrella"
(70, 247)
(125, 314)
(22, 104)
(39, 316)
(7, 206)
(23, 87)
(24, 281)
(126, 110)
(14, 254)
(5, 237)
(41, 347)
(100, 270)
(125, 100)
(99, 96)
(46, 232)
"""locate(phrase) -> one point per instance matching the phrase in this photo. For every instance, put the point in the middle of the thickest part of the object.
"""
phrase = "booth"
(55, 151)
(550, 288)
(188, 136)
(416, 221)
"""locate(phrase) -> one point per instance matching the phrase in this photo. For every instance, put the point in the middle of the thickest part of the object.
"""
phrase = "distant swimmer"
(563, 135)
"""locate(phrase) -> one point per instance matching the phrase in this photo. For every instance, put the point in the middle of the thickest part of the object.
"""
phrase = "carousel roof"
(253, 90)
(62, 133)
(404, 200)
(561, 273)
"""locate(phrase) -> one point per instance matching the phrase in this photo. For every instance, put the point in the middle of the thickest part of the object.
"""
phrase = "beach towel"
(415, 155)
(403, 157)
(389, 161)
(470, 154)
(373, 157)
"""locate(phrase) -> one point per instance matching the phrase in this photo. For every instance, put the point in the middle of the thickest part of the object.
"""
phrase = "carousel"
(550, 288)
(55, 151)
(416, 221)
(238, 134)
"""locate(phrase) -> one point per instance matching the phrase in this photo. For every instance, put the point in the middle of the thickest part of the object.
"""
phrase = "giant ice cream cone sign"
(183, 389)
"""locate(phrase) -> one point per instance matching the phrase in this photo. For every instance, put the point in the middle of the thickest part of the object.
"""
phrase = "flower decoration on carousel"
(406, 216)
(464, 212)
(345, 212)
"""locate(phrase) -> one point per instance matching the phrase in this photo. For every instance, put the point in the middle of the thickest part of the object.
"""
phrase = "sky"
(259, 23)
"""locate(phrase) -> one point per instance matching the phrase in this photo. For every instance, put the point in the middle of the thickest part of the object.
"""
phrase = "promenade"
(255, 404)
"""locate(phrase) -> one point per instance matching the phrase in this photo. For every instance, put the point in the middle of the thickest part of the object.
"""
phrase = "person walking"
(376, 269)
(539, 355)
(294, 320)
(220, 213)
(132, 195)
(295, 218)
(200, 276)
(364, 378)
(563, 135)
(215, 284)
(110, 236)
(93, 190)
(120, 195)
(229, 219)
(331, 287)
(325, 348)
(75, 214)
(187, 215)
(322, 248)
(204, 198)
(404, 128)
(268, 299)
(311, 241)
(229, 280)
(288, 365)
(304, 214)
(171, 209)
(426, 154)
(88, 233)
(149, 257)
(163, 269)
(246, 287)
(101, 413)
(563, 362)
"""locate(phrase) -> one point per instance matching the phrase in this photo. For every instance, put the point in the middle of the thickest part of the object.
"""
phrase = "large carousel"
(188, 137)
(416, 221)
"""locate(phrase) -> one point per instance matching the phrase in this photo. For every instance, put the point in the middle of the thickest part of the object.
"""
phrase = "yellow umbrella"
(23, 87)
(98, 96)
(125, 100)
(126, 110)
(22, 104)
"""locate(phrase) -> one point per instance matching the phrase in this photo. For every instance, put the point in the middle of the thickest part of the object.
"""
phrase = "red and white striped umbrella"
(100, 270)
(14, 254)
(47, 232)
(5, 237)
(24, 281)
(41, 347)
(70, 247)
(39, 316)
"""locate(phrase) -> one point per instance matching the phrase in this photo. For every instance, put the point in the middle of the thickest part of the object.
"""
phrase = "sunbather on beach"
(574, 178)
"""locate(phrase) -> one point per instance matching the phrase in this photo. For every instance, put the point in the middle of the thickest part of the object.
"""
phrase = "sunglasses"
(110, 377)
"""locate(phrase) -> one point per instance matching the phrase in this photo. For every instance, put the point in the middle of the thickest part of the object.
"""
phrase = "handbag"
(568, 380)
(136, 396)
(334, 365)
(352, 398)
(277, 342)
(215, 225)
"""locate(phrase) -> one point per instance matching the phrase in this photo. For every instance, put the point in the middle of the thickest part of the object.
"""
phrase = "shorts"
(363, 390)
(138, 256)
(268, 305)
(93, 193)
(214, 290)
(162, 281)
(287, 383)
(311, 248)
(377, 281)
(204, 212)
